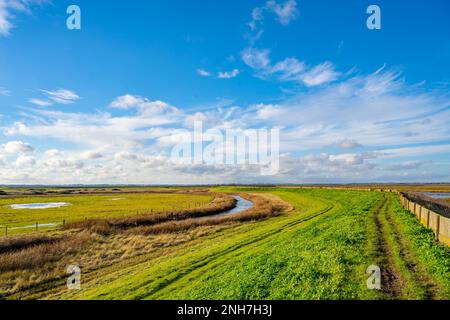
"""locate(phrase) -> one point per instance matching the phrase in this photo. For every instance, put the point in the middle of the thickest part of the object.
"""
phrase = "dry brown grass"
(221, 202)
(15, 243)
(262, 209)
(37, 254)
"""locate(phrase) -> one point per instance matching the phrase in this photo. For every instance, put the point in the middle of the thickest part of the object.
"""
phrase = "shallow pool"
(36, 206)
(439, 195)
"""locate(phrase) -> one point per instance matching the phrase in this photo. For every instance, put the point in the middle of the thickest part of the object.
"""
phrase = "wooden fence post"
(438, 226)
(428, 219)
(37, 226)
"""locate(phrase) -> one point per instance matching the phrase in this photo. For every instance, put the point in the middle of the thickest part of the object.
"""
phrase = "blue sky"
(104, 104)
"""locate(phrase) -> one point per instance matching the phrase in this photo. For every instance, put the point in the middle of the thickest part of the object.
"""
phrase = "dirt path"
(402, 275)
(392, 282)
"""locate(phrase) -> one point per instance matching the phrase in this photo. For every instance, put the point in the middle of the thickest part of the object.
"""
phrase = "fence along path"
(432, 220)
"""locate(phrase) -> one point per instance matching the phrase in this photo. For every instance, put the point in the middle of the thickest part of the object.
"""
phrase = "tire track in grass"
(236, 255)
(424, 287)
(403, 277)
(193, 266)
(210, 262)
(392, 282)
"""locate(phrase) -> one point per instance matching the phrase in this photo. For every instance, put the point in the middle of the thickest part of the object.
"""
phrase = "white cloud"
(25, 161)
(4, 92)
(228, 75)
(285, 12)
(349, 144)
(91, 155)
(61, 96)
(16, 147)
(203, 73)
(256, 58)
(9, 9)
(408, 165)
(100, 130)
(376, 118)
(127, 101)
(320, 74)
(289, 69)
(40, 102)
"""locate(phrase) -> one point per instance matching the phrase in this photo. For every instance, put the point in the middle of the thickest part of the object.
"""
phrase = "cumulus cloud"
(360, 128)
(25, 161)
(127, 101)
(15, 147)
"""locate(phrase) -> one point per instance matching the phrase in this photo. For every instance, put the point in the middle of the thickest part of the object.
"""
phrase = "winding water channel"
(241, 205)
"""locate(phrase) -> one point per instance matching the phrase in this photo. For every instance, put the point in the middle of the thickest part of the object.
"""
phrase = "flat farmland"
(81, 207)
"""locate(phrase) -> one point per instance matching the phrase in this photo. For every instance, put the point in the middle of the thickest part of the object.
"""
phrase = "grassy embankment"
(321, 250)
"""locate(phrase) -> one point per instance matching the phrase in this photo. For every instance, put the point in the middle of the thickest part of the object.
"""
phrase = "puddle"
(39, 206)
(439, 195)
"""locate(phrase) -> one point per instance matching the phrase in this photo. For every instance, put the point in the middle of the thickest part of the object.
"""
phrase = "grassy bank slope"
(320, 250)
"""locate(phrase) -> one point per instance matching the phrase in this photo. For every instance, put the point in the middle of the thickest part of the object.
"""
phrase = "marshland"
(221, 243)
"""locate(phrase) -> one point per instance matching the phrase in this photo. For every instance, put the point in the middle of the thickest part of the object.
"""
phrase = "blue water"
(39, 206)
(241, 205)
(439, 195)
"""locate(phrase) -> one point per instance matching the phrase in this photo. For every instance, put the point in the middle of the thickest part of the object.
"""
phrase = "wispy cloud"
(289, 69)
(60, 96)
(4, 92)
(203, 73)
(228, 75)
(284, 12)
(40, 102)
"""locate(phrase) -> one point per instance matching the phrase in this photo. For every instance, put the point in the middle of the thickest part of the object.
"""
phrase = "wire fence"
(36, 227)
(12, 228)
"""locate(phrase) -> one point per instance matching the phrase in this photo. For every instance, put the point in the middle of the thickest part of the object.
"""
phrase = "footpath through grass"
(318, 251)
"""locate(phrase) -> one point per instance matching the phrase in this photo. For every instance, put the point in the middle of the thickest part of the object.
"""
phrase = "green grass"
(92, 206)
(321, 250)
